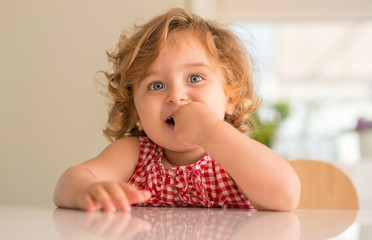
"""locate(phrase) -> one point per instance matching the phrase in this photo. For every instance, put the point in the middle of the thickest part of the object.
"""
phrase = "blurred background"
(313, 62)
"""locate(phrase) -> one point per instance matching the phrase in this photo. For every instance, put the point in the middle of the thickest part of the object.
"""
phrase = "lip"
(170, 121)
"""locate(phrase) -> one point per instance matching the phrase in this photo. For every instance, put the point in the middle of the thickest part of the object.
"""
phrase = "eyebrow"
(197, 65)
(187, 65)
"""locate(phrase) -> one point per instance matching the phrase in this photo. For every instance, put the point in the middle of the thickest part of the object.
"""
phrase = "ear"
(229, 107)
(139, 126)
(136, 120)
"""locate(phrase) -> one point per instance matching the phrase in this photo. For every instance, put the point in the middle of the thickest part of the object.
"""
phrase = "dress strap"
(149, 151)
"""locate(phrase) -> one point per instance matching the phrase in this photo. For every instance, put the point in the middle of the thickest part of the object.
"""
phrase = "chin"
(183, 147)
(177, 146)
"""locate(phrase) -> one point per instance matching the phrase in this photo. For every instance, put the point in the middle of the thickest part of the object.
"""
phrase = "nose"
(177, 95)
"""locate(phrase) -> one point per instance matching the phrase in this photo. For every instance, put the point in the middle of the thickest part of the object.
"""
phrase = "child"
(182, 94)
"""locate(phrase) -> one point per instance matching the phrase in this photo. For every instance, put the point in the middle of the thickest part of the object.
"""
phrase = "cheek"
(147, 111)
(142, 112)
(218, 103)
(140, 109)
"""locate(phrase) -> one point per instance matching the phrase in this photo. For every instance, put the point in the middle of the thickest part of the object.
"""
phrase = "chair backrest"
(324, 186)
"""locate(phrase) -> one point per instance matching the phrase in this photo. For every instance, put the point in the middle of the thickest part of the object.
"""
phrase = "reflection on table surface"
(177, 223)
(31, 222)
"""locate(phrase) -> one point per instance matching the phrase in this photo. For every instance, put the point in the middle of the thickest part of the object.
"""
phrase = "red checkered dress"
(202, 184)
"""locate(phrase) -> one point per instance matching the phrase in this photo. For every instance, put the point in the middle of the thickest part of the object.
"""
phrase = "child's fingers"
(118, 197)
(87, 203)
(145, 195)
(101, 196)
(134, 195)
(110, 196)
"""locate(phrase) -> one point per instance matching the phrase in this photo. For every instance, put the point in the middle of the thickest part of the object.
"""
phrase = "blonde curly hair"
(136, 53)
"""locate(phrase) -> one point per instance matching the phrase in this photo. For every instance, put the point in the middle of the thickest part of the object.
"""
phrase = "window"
(323, 70)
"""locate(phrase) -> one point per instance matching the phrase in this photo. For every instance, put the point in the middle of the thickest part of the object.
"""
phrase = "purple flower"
(363, 124)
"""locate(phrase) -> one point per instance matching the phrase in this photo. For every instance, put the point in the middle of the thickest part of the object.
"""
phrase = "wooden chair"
(324, 186)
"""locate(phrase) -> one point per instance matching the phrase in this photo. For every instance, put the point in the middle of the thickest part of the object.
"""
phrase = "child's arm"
(101, 183)
(264, 177)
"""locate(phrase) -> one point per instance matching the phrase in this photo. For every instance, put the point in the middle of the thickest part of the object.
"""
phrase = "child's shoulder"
(125, 142)
(124, 146)
(133, 147)
(118, 160)
(133, 141)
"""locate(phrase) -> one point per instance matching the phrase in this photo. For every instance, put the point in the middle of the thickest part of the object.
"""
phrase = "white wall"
(51, 113)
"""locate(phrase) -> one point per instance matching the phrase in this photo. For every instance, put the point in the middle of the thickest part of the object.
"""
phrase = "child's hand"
(191, 121)
(111, 196)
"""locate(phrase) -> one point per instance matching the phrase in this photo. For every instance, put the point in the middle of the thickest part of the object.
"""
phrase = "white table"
(38, 222)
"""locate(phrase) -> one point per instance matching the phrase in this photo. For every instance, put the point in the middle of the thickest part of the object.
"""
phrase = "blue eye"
(156, 86)
(195, 78)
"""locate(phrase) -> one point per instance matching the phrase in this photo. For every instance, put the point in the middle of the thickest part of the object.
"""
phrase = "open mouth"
(170, 121)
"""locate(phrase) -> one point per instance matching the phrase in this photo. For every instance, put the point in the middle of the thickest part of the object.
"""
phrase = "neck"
(176, 159)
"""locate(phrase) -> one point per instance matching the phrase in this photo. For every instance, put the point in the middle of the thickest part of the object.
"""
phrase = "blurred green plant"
(265, 130)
